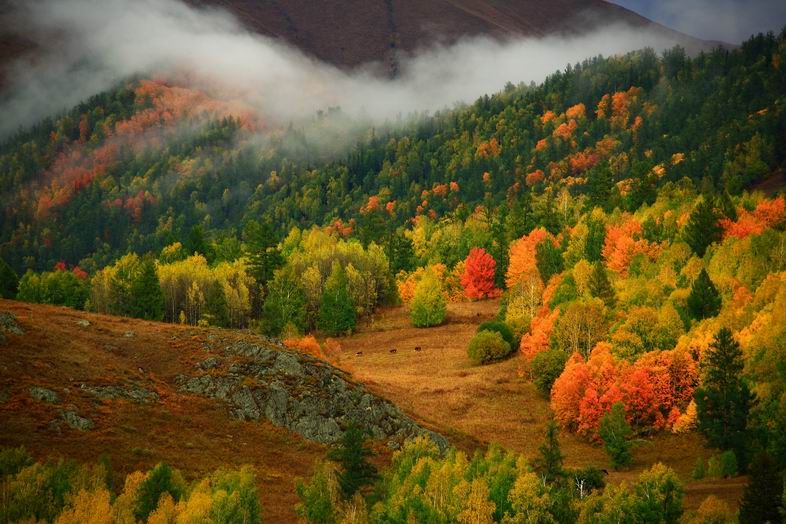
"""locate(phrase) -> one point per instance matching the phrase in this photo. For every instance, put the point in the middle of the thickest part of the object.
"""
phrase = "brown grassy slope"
(476, 405)
(191, 433)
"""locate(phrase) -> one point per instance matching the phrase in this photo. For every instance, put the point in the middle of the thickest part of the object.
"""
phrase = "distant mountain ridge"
(348, 33)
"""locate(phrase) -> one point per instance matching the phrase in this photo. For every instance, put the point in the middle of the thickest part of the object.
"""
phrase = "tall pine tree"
(352, 456)
(600, 287)
(762, 500)
(9, 281)
(146, 300)
(703, 227)
(704, 300)
(615, 431)
(549, 463)
(724, 400)
(263, 256)
(548, 259)
(216, 308)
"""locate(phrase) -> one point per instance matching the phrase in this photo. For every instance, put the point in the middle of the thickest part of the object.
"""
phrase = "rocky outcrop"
(298, 392)
(8, 325)
(73, 420)
(114, 392)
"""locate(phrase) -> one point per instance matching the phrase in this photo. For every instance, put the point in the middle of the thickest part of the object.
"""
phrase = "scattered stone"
(75, 421)
(8, 325)
(129, 334)
(83, 322)
(45, 395)
(209, 363)
(112, 392)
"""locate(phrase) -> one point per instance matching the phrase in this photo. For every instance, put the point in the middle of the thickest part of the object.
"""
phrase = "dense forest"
(629, 211)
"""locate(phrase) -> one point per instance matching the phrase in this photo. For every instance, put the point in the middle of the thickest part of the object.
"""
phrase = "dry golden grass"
(193, 434)
(476, 405)
(437, 386)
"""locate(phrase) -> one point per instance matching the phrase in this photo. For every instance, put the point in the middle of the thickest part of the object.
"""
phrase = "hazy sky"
(730, 21)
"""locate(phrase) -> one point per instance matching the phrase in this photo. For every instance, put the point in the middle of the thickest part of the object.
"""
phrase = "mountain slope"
(78, 385)
(352, 32)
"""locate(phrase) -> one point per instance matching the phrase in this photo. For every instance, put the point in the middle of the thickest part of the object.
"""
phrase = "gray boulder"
(45, 395)
(75, 421)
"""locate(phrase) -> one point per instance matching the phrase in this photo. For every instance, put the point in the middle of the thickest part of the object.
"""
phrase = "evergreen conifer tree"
(336, 313)
(704, 300)
(352, 456)
(548, 259)
(9, 281)
(216, 307)
(401, 253)
(724, 400)
(614, 431)
(263, 255)
(761, 501)
(146, 300)
(702, 228)
(196, 243)
(596, 236)
(600, 287)
(549, 463)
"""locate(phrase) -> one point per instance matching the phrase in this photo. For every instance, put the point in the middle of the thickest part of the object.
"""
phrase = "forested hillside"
(629, 211)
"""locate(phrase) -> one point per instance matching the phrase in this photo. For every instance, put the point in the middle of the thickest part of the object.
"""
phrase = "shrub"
(500, 327)
(487, 346)
(546, 367)
(714, 467)
(586, 480)
(698, 470)
(728, 464)
(161, 480)
(428, 305)
(13, 460)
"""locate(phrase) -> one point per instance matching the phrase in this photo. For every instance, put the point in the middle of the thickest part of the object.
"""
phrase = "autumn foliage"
(768, 213)
(623, 242)
(537, 339)
(522, 257)
(653, 390)
(478, 277)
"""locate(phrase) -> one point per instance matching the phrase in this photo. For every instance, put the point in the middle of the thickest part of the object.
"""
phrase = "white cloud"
(97, 44)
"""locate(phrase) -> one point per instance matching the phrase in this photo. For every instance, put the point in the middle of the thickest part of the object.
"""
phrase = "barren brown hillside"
(353, 32)
(59, 351)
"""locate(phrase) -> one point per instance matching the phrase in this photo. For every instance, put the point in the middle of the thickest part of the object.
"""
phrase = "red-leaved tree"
(478, 277)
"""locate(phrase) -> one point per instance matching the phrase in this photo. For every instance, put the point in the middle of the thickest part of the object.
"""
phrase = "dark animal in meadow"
(359, 353)
(394, 350)
(418, 348)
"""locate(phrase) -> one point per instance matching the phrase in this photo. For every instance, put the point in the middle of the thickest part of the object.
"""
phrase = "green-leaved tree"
(337, 314)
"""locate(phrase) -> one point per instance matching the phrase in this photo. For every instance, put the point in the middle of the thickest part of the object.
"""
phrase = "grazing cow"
(417, 348)
(359, 353)
(394, 350)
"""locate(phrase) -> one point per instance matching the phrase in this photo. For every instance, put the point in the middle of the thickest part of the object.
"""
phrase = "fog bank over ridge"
(100, 44)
